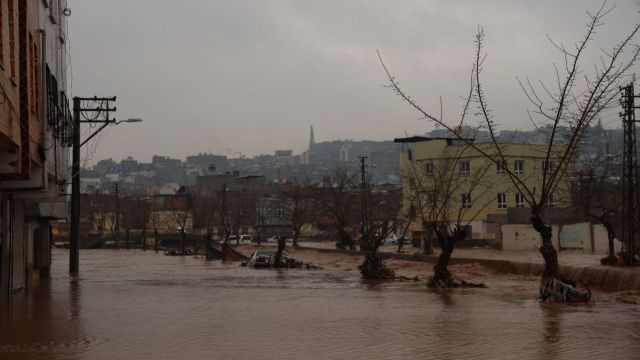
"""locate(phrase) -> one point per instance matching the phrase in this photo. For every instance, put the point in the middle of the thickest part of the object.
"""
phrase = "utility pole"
(94, 111)
(74, 245)
(223, 215)
(117, 219)
(223, 212)
(630, 181)
(363, 184)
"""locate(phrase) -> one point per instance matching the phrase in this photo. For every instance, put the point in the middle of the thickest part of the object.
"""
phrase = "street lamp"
(131, 120)
(100, 112)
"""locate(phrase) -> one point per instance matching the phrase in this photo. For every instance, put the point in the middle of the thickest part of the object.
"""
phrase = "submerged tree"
(567, 108)
(382, 216)
(452, 190)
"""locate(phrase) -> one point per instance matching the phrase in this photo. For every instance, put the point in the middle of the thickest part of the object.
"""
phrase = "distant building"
(208, 163)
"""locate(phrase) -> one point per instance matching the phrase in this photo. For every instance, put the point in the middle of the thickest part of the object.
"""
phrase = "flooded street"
(135, 305)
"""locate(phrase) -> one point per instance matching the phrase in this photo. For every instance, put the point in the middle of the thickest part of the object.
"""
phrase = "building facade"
(35, 135)
(479, 190)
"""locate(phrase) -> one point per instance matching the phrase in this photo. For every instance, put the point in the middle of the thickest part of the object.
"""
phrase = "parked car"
(233, 239)
(246, 239)
(391, 239)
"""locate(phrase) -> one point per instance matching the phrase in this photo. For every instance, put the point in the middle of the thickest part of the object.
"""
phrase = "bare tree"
(241, 211)
(303, 209)
(567, 108)
(597, 190)
(155, 218)
(382, 217)
(180, 206)
(205, 208)
(452, 191)
(338, 198)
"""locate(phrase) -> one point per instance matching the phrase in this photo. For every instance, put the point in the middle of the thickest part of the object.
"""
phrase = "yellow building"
(477, 189)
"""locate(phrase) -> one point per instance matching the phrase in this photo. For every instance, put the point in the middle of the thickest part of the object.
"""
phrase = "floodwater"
(135, 305)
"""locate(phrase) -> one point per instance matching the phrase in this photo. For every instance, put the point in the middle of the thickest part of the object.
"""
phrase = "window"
(551, 201)
(11, 16)
(519, 200)
(465, 167)
(466, 201)
(501, 167)
(428, 168)
(502, 200)
(547, 167)
(518, 167)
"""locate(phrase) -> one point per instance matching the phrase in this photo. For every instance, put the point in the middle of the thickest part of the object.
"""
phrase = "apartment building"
(35, 135)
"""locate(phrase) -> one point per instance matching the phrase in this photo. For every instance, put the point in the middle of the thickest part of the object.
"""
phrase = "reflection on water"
(135, 305)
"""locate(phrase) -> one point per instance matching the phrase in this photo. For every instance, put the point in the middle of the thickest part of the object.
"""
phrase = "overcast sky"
(252, 76)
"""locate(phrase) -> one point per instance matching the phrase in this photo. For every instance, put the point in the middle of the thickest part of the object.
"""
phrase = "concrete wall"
(576, 236)
(524, 237)
(581, 236)
(601, 241)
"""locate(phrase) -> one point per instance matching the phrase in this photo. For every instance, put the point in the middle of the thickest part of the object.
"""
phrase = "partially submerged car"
(265, 258)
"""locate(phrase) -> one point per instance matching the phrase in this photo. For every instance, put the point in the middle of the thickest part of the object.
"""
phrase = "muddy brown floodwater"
(135, 305)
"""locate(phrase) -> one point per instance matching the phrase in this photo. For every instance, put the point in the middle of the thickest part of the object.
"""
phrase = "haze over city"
(250, 77)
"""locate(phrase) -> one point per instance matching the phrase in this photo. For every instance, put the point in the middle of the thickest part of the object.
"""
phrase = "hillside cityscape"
(165, 175)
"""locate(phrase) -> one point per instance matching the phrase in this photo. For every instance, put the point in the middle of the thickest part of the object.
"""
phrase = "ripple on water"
(131, 305)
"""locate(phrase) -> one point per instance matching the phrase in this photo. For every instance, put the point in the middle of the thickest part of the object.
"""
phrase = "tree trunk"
(282, 243)
(442, 278)
(296, 233)
(553, 286)
(551, 267)
(155, 245)
(611, 235)
(441, 275)
(344, 240)
(225, 249)
(373, 266)
(126, 244)
(182, 241)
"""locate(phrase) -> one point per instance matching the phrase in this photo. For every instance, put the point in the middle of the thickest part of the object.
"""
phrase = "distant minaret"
(312, 139)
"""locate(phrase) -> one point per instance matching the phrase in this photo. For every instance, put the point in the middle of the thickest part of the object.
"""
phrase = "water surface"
(135, 305)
